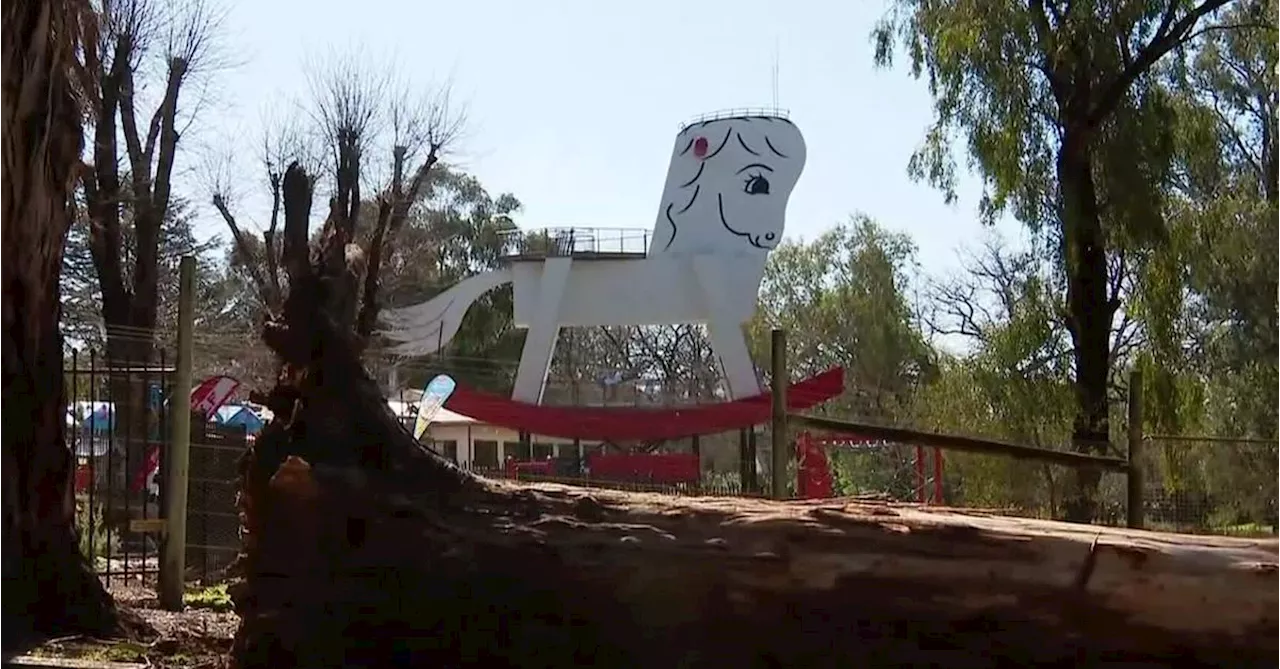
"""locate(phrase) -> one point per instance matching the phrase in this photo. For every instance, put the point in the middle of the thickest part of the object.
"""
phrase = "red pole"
(937, 476)
(920, 484)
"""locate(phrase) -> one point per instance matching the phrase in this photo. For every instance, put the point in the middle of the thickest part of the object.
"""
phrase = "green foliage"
(1008, 77)
(1062, 114)
(455, 232)
(843, 299)
(82, 295)
(213, 597)
(97, 540)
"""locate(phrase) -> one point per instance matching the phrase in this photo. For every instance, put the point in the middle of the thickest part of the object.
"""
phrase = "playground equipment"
(813, 468)
(723, 209)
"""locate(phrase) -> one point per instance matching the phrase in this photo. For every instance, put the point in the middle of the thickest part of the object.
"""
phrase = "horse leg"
(725, 329)
(535, 362)
(731, 345)
(544, 329)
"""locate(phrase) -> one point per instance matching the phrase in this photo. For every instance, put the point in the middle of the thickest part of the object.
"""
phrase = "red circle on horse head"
(700, 147)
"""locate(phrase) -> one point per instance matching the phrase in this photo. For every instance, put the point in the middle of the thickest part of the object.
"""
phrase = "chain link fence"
(213, 522)
(1211, 485)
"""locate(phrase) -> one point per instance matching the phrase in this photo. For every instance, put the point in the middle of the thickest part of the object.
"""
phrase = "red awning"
(619, 424)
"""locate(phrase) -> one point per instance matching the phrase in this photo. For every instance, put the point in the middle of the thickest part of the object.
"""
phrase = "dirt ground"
(199, 636)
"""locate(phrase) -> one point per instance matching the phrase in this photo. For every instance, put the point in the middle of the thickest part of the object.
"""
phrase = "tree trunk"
(1089, 311)
(128, 352)
(362, 549)
(49, 587)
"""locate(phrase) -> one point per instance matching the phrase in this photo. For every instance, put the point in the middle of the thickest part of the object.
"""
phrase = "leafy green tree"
(1228, 213)
(1010, 380)
(1208, 298)
(843, 299)
(1058, 110)
(458, 229)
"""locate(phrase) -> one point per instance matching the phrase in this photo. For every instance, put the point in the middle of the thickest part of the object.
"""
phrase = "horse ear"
(700, 146)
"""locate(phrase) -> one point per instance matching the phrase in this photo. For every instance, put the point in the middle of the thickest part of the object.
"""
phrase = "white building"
(472, 443)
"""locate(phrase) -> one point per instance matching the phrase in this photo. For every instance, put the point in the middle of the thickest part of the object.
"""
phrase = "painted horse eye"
(757, 185)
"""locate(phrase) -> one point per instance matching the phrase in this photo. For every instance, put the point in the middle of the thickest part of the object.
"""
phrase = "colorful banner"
(434, 396)
(212, 393)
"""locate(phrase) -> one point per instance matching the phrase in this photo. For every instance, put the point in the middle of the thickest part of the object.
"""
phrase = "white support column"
(731, 345)
(726, 332)
(544, 329)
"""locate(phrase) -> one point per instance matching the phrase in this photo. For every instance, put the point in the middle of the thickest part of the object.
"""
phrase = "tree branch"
(138, 165)
(270, 299)
(1168, 36)
(269, 237)
(1229, 27)
(369, 305)
(1047, 46)
(103, 194)
(152, 207)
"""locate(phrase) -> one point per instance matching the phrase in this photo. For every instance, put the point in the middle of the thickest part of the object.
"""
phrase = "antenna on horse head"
(775, 73)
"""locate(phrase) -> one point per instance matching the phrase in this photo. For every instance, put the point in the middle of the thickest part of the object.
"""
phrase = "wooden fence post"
(173, 551)
(747, 460)
(779, 378)
(1135, 479)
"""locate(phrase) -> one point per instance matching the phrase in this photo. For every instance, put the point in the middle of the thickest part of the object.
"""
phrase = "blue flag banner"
(434, 396)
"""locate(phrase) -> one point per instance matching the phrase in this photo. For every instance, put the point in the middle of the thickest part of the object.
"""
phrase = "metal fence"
(118, 430)
(561, 242)
(213, 522)
(1211, 485)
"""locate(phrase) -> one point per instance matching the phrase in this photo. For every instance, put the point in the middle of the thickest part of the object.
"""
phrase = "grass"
(214, 597)
(94, 651)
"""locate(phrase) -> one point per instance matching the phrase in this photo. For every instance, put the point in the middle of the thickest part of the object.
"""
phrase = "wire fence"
(1211, 485)
(1195, 484)
(213, 521)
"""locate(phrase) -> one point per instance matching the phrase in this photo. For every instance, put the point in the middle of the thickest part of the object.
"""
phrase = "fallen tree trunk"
(361, 549)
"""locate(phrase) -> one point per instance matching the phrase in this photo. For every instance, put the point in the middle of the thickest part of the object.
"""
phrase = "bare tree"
(135, 32)
(129, 181)
(353, 111)
(999, 286)
(662, 364)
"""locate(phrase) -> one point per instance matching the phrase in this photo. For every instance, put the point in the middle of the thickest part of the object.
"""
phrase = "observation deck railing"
(569, 242)
(738, 112)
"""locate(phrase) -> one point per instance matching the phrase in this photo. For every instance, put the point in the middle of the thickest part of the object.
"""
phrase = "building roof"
(443, 416)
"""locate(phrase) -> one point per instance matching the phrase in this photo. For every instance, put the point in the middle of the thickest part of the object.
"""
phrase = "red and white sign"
(212, 393)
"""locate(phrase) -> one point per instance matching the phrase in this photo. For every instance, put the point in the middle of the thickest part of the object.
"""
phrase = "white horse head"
(728, 185)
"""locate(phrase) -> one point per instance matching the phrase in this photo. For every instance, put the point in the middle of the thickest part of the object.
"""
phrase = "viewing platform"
(577, 243)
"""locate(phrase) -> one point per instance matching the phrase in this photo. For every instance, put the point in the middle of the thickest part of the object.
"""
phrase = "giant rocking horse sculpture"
(723, 210)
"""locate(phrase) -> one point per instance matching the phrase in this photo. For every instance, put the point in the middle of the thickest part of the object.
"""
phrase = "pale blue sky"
(573, 105)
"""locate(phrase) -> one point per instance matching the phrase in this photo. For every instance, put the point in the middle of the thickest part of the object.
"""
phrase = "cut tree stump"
(363, 550)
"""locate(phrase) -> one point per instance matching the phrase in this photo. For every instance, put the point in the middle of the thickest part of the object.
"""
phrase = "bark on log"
(361, 549)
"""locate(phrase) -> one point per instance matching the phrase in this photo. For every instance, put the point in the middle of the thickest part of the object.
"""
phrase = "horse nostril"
(769, 236)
